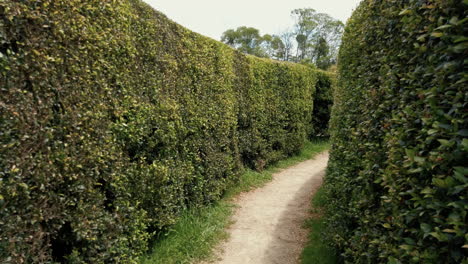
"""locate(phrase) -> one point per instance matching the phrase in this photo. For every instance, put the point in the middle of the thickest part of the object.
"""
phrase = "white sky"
(213, 17)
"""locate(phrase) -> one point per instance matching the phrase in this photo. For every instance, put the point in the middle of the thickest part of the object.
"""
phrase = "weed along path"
(268, 224)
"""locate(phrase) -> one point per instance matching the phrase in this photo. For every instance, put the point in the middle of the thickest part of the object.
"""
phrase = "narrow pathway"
(268, 225)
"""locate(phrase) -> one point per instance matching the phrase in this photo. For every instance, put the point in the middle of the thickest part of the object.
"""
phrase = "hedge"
(397, 178)
(114, 119)
(323, 101)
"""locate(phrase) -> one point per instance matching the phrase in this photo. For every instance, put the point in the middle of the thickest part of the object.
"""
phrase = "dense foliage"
(397, 179)
(323, 101)
(114, 119)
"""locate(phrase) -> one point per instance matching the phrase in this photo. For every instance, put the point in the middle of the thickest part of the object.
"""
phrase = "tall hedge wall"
(323, 101)
(114, 119)
(397, 178)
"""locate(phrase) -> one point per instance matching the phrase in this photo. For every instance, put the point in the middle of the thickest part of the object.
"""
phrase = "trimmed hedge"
(323, 101)
(275, 105)
(397, 178)
(114, 119)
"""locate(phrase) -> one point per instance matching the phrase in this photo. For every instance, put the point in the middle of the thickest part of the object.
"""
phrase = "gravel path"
(268, 224)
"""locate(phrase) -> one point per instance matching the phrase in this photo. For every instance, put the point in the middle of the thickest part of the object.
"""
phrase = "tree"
(249, 40)
(321, 54)
(287, 38)
(245, 39)
(318, 35)
(316, 38)
(273, 46)
(304, 29)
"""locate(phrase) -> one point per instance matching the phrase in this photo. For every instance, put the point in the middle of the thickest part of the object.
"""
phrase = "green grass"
(316, 250)
(198, 231)
(193, 236)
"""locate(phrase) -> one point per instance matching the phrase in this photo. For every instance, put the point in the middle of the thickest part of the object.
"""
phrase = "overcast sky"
(213, 17)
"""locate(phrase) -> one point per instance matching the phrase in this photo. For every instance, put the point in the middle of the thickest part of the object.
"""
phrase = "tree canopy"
(315, 38)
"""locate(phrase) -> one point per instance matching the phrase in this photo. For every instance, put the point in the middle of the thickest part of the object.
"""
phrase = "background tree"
(245, 39)
(318, 37)
(304, 29)
(321, 56)
(273, 46)
(315, 38)
(287, 38)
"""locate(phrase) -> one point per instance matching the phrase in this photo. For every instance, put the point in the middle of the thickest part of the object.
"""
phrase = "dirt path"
(268, 225)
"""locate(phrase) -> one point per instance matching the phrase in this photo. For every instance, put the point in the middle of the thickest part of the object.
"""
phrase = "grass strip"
(317, 250)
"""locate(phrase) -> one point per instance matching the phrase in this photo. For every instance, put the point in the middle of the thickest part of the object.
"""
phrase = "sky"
(212, 17)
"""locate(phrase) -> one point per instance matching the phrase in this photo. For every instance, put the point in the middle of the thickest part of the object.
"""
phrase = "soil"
(268, 226)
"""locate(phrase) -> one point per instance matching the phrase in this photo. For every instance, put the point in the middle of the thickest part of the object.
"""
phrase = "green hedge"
(323, 101)
(397, 178)
(114, 119)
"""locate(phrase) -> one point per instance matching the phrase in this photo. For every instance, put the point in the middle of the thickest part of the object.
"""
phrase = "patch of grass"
(318, 200)
(198, 231)
(317, 250)
(193, 236)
